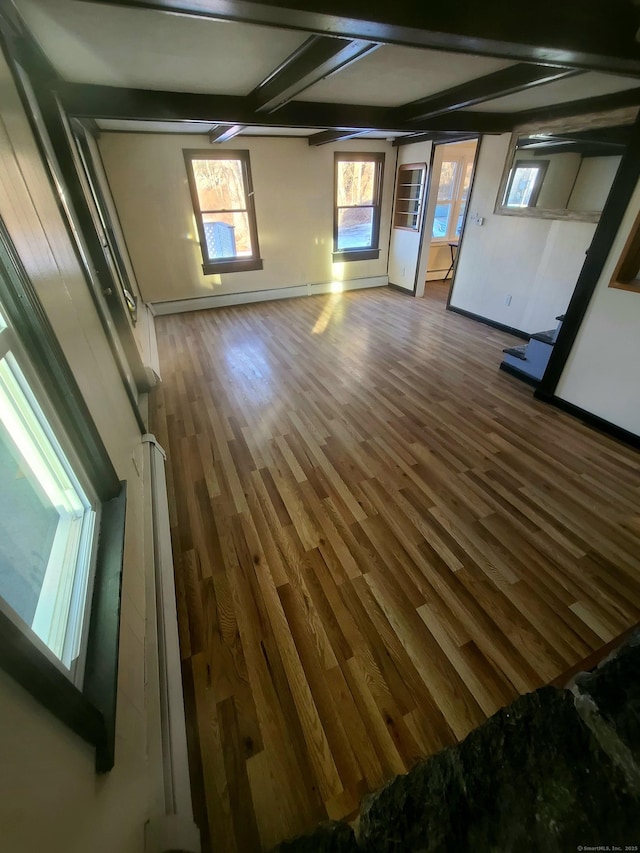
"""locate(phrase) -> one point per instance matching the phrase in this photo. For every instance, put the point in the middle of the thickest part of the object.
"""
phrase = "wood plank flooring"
(379, 540)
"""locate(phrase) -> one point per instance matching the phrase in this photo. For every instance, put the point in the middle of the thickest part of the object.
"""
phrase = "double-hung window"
(61, 525)
(223, 203)
(357, 201)
(453, 192)
(47, 517)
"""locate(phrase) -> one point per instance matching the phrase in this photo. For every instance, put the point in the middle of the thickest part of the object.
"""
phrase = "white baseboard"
(198, 303)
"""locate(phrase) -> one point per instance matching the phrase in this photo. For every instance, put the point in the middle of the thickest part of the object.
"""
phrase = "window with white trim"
(48, 515)
(453, 191)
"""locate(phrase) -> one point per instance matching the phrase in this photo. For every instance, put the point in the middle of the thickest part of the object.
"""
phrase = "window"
(453, 192)
(222, 197)
(409, 196)
(525, 183)
(62, 513)
(357, 197)
(47, 519)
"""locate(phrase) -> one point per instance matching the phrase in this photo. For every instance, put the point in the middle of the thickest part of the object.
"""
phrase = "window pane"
(227, 235)
(467, 180)
(460, 219)
(219, 184)
(522, 186)
(447, 185)
(46, 522)
(441, 221)
(3, 322)
(355, 228)
(356, 182)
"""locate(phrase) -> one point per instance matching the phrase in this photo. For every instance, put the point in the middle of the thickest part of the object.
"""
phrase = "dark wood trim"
(622, 189)
(406, 290)
(25, 658)
(86, 100)
(224, 265)
(511, 330)
(327, 136)
(33, 328)
(315, 59)
(584, 106)
(355, 255)
(593, 660)
(366, 253)
(626, 275)
(519, 374)
(467, 207)
(423, 235)
(434, 136)
(576, 33)
(589, 419)
(225, 133)
(516, 78)
(100, 685)
(229, 265)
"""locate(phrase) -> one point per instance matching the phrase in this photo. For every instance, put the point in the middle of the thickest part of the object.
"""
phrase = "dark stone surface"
(615, 688)
(333, 837)
(531, 778)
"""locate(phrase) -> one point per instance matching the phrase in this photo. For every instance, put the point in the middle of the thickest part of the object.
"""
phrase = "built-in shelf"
(410, 188)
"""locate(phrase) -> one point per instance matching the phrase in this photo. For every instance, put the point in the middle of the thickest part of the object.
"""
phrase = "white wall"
(593, 183)
(558, 179)
(50, 797)
(405, 245)
(293, 185)
(535, 261)
(601, 374)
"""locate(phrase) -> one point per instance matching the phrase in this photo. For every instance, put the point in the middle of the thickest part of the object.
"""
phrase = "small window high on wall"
(357, 200)
(223, 203)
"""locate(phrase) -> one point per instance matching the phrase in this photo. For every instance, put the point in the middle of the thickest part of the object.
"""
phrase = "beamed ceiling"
(328, 71)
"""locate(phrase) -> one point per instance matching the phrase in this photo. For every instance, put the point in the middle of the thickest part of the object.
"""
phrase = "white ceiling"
(570, 89)
(141, 48)
(394, 75)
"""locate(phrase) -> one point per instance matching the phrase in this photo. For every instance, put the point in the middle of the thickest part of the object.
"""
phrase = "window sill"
(244, 265)
(90, 711)
(357, 255)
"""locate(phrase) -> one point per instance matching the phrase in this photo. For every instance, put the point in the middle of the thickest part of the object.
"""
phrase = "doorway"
(452, 171)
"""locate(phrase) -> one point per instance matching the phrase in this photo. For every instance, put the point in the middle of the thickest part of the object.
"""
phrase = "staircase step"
(548, 337)
(517, 352)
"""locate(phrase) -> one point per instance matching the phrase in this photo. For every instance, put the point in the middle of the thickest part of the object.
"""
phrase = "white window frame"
(61, 617)
(464, 160)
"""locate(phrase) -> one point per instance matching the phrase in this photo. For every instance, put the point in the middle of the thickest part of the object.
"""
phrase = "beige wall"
(536, 262)
(405, 245)
(293, 185)
(593, 183)
(601, 374)
(50, 798)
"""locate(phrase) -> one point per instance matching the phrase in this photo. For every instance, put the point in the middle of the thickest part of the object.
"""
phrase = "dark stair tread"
(560, 317)
(517, 352)
(547, 337)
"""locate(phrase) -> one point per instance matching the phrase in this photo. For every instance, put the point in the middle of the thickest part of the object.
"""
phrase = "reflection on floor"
(379, 540)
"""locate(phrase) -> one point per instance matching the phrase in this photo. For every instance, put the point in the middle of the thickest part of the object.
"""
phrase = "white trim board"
(198, 303)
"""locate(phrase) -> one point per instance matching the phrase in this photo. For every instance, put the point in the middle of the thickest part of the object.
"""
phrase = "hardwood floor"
(379, 540)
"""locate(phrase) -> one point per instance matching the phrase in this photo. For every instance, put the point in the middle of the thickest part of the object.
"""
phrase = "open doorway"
(452, 176)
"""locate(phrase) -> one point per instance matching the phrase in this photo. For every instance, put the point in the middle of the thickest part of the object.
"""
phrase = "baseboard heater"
(175, 830)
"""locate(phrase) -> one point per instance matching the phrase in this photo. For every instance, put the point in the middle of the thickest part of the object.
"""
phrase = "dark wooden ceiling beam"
(584, 106)
(587, 34)
(314, 60)
(433, 136)
(327, 136)
(112, 102)
(507, 81)
(225, 132)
